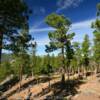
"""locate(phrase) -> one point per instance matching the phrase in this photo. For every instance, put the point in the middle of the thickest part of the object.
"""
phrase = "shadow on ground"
(59, 91)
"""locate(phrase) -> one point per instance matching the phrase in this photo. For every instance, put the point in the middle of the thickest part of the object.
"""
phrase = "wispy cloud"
(80, 28)
(40, 42)
(64, 4)
(75, 26)
(37, 30)
(82, 24)
(43, 42)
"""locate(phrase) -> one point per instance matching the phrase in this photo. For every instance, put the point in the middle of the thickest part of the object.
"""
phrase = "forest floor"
(39, 91)
(89, 90)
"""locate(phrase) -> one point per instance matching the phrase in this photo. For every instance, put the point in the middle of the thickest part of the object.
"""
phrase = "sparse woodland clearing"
(59, 63)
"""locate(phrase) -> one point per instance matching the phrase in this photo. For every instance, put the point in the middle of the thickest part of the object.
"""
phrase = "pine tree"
(58, 38)
(13, 18)
(69, 52)
(19, 48)
(96, 49)
(77, 55)
(86, 52)
(33, 46)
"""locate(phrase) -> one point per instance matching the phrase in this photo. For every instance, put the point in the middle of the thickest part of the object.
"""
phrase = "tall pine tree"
(86, 52)
(58, 38)
(13, 18)
(96, 26)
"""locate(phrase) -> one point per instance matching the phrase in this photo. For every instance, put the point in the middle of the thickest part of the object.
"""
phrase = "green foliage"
(58, 38)
(96, 26)
(41, 64)
(86, 45)
(74, 63)
(69, 47)
(57, 21)
(97, 46)
(77, 58)
(98, 8)
(85, 50)
(5, 70)
(13, 21)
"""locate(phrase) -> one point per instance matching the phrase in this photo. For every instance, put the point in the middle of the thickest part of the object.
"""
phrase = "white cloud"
(64, 4)
(82, 24)
(43, 41)
(32, 30)
(40, 42)
(75, 26)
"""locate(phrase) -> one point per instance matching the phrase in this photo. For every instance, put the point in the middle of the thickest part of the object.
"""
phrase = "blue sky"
(80, 12)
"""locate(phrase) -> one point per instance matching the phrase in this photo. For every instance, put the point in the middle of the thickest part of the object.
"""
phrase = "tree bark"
(68, 71)
(1, 40)
(32, 70)
(49, 82)
(63, 66)
(20, 76)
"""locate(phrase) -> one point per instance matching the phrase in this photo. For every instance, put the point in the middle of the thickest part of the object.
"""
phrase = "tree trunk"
(32, 71)
(63, 66)
(49, 83)
(37, 80)
(97, 69)
(20, 76)
(32, 74)
(63, 80)
(78, 71)
(1, 40)
(85, 72)
(68, 71)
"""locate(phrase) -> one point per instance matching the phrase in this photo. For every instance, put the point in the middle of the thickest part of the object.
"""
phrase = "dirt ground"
(88, 91)
(34, 90)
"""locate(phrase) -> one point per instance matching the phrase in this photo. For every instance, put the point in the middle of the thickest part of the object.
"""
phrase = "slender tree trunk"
(20, 76)
(68, 71)
(82, 70)
(32, 70)
(73, 73)
(63, 65)
(32, 74)
(33, 63)
(1, 40)
(78, 71)
(97, 68)
(85, 72)
(49, 82)
(37, 79)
